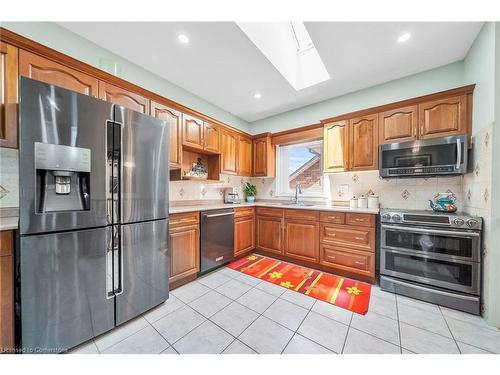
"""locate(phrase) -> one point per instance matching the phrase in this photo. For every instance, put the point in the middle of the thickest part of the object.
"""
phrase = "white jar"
(362, 202)
(353, 202)
(373, 201)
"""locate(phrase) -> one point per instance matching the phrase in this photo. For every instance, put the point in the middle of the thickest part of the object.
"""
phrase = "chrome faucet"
(298, 191)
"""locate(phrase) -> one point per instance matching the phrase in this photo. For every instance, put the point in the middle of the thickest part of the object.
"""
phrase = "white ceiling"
(222, 66)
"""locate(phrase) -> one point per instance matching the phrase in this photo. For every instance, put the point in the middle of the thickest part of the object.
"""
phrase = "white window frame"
(282, 184)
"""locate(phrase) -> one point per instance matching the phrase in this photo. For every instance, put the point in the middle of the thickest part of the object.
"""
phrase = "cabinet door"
(48, 71)
(269, 237)
(302, 240)
(192, 132)
(229, 155)
(8, 95)
(6, 291)
(398, 125)
(211, 137)
(174, 119)
(443, 117)
(363, 153)
(335, 143)
(244, 235)
(184, 251)
(125, 98)
(244, 156)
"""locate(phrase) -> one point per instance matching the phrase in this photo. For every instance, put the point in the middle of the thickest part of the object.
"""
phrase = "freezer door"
(145, 265)
(144, 160)
(56, 118)
(64, 300)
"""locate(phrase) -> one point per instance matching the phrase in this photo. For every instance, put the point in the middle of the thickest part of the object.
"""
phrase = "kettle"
(444, 202)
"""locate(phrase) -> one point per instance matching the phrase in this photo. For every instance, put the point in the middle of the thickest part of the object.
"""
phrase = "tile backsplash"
(9, 178)
(198, 190)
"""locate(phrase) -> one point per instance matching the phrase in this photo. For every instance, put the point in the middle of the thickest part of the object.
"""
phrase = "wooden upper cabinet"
(443, 117)
(335, 146)
(398, 125)
(264, 157)
(51, 72)
(173, 119)
(363, 152)
(192, 132)
(229, 152)
(244, 156)
(8, 95)
(125, 98)
(211, 137)
(302, 240)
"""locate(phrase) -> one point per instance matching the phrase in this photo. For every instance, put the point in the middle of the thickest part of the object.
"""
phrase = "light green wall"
(52, 35)
(479, 68)
(439, 79)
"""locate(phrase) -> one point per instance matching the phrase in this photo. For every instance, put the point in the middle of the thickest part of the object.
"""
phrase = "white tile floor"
(229, 312)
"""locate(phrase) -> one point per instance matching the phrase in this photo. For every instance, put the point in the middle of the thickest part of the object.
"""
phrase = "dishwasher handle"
(207, 216)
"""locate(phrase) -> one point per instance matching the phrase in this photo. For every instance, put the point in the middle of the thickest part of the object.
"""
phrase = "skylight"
(289, 47)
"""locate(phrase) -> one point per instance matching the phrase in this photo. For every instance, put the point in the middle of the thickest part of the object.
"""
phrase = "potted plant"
(250, 192)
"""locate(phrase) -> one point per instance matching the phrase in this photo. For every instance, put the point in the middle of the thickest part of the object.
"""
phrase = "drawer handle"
(359, 238)
(331, 257)
(359, 262)
(358, 219)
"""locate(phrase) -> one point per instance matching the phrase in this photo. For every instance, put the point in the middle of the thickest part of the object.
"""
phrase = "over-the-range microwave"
(429, 157)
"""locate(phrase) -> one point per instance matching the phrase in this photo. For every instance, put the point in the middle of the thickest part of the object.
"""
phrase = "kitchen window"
(301, 163)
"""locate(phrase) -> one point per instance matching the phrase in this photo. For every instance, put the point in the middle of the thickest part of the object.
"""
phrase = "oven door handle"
(459, 153)
(437, 291)
(432, 231)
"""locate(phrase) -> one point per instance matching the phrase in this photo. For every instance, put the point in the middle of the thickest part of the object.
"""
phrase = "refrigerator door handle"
(109, 264)
(117, 262)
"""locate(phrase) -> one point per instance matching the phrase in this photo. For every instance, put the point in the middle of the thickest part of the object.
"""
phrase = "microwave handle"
(459, 154)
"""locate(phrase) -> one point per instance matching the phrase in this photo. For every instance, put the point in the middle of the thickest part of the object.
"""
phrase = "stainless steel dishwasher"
(217, 238)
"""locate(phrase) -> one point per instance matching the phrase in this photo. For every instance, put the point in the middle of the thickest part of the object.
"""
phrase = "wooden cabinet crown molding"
(29, 45)
(463, 90)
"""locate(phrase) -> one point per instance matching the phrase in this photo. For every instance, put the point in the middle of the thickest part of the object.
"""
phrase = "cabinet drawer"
(6, 242)
(301, 214)
(346, 259)
(332, 217)
(353, 237)
(365, 220)
(187, 218)
(244, 212)
(268, 211)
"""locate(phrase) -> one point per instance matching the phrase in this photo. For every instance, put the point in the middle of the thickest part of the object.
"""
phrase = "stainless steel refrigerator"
(93, 217)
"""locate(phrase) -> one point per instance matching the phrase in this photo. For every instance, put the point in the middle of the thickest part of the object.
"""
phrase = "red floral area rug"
(342, 292)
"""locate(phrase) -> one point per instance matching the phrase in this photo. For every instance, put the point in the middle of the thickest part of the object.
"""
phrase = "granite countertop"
(9, 218)
(316, 207)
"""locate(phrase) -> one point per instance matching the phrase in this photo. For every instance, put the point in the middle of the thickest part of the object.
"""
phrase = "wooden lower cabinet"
(6, 291)
(302, 240)
(269, 235)
(244, 231)
(345, 259)
(184, 244)
(336, 242)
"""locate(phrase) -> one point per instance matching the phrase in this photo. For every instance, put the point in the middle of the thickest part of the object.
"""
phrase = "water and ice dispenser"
(62, 178)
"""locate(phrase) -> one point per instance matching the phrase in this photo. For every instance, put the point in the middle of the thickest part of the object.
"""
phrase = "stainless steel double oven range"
(93, 217)
(432, 256)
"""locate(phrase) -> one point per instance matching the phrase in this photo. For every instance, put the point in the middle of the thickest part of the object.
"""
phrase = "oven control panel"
(430, 218)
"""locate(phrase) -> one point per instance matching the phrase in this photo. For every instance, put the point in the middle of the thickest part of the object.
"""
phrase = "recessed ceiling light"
(183, 38)
(404, 37)
(257, 95)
